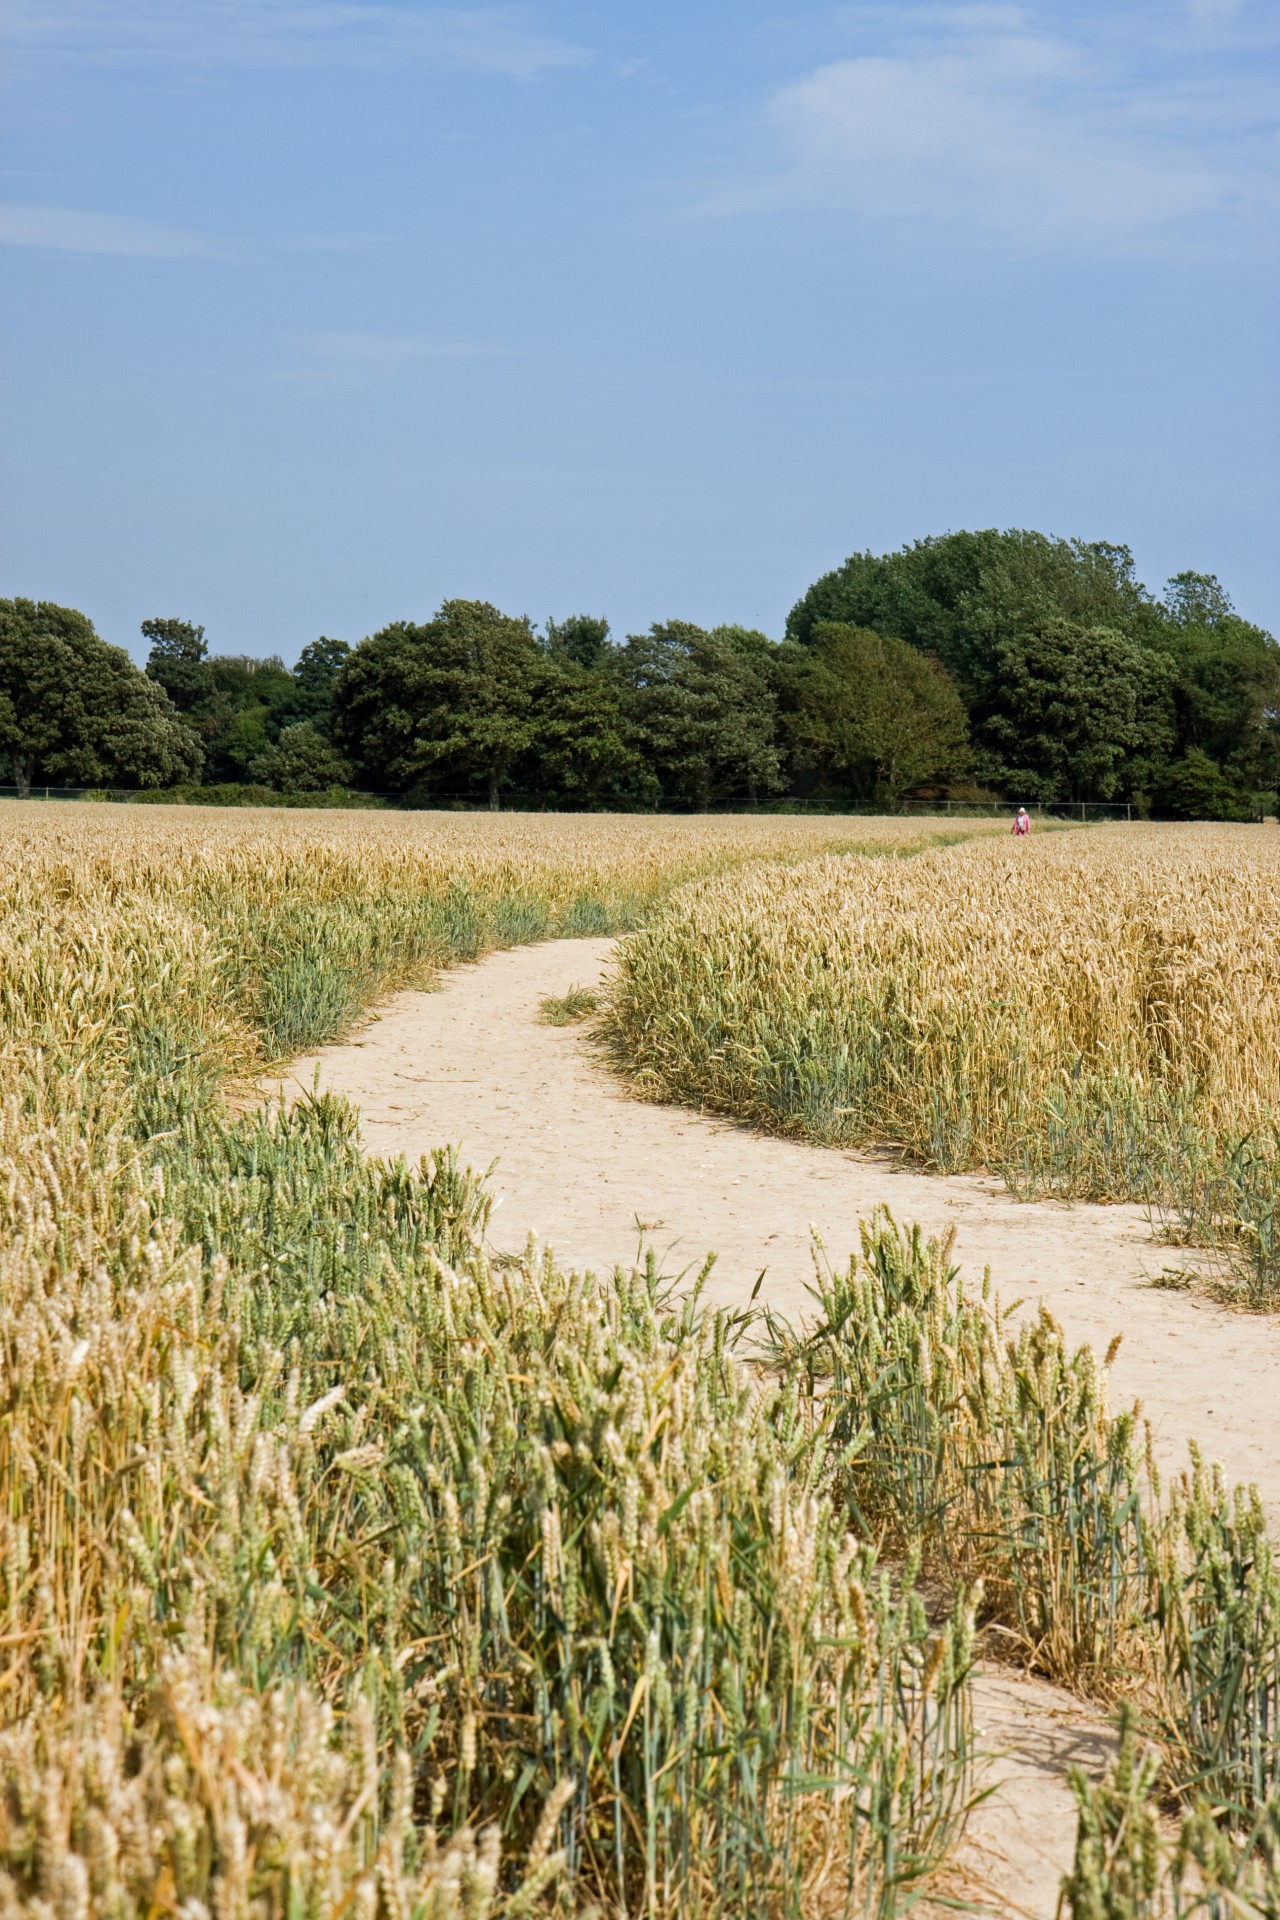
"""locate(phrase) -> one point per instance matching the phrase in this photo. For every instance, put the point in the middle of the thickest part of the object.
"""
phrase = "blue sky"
(319, 311)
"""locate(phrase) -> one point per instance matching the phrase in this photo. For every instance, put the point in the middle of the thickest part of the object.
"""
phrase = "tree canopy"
(73, 709)
(1001, 663)
(702, 712)
(875, 716)
(452, 699)
(959, 594)
(301, 761)
(235, 703)
(1078, 713)
(1006, 612)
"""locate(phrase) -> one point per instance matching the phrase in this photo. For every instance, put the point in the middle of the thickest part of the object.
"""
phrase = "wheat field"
(347, 1571)
(341, 1571)
(1093, 1014)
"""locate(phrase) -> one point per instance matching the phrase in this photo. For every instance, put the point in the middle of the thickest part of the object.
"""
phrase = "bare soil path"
(597, 1175)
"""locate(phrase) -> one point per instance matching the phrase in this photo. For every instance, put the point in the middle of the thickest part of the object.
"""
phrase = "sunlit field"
(1093, 1014)
(346, 1571)
(336, 1563)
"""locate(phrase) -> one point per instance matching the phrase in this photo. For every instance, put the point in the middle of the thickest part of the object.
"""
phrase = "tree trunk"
(493, 792)
(24, 766)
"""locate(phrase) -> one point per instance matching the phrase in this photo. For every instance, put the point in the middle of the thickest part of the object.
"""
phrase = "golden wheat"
(317, 1533)
(990, 1004)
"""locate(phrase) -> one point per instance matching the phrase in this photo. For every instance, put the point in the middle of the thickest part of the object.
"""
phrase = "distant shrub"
(231, 793)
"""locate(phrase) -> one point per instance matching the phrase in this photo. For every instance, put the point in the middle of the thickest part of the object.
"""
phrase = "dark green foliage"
(314, 680)
(873, 716)
(234, 793)
(959, 594)
(584, 755)
(1037, 667)
(1197, 788)
(472, 700)
(1225, 676)
(244, 712)
(179, 661)
(73, 708)
(1075, 713)
(1057, 712)
(302, 761)
(237, 704)
(582, 639)
(701, 711)
(441, 705)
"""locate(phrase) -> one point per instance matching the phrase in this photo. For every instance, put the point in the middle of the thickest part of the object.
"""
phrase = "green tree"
(582, 756)
(875, 716)
(1226, 684)
(701, 712)
(1196, 600)
(455, 698)
(301, 761)
(248, 704)
(242, 736)
(236, 703)
(959, 595)
(1081, 713)
(314, 679)
(582, 640)
(1196, 788)
(178, 662)
(985, 603)
(73, 708)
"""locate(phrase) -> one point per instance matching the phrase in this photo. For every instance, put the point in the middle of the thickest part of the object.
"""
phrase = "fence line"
(1073, 809)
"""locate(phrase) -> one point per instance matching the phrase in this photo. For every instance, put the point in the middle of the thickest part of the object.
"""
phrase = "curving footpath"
(599, 1176)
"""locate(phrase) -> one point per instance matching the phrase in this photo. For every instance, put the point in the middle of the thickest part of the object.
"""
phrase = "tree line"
(1008, 664)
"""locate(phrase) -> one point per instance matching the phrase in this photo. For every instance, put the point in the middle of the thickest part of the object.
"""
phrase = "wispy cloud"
(375, 35)
(991, 129)
(73, 230)
(353, 362)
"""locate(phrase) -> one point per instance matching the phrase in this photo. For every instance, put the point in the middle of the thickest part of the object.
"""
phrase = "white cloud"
(992, 129)
(353, 362)
(368, 34)
(71, 230)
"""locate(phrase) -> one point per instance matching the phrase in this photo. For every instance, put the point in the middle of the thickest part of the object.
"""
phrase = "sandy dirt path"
(597, 1175)
(594, 1174)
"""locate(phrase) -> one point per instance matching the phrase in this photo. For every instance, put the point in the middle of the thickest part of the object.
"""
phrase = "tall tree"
(959, 595)
(1196, 788)
(1196, 600)
(1081, 713)
(700, 709)
(582, 640)
(302, 761)
(1226, 691)
(73, 708)
(455, 698)
(874, 716)
(583, 757)
(236, 703)
(178, 661)
(991, 604)
(314, 680)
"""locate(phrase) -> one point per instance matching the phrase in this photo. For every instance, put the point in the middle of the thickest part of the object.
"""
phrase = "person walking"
(1021, 822)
